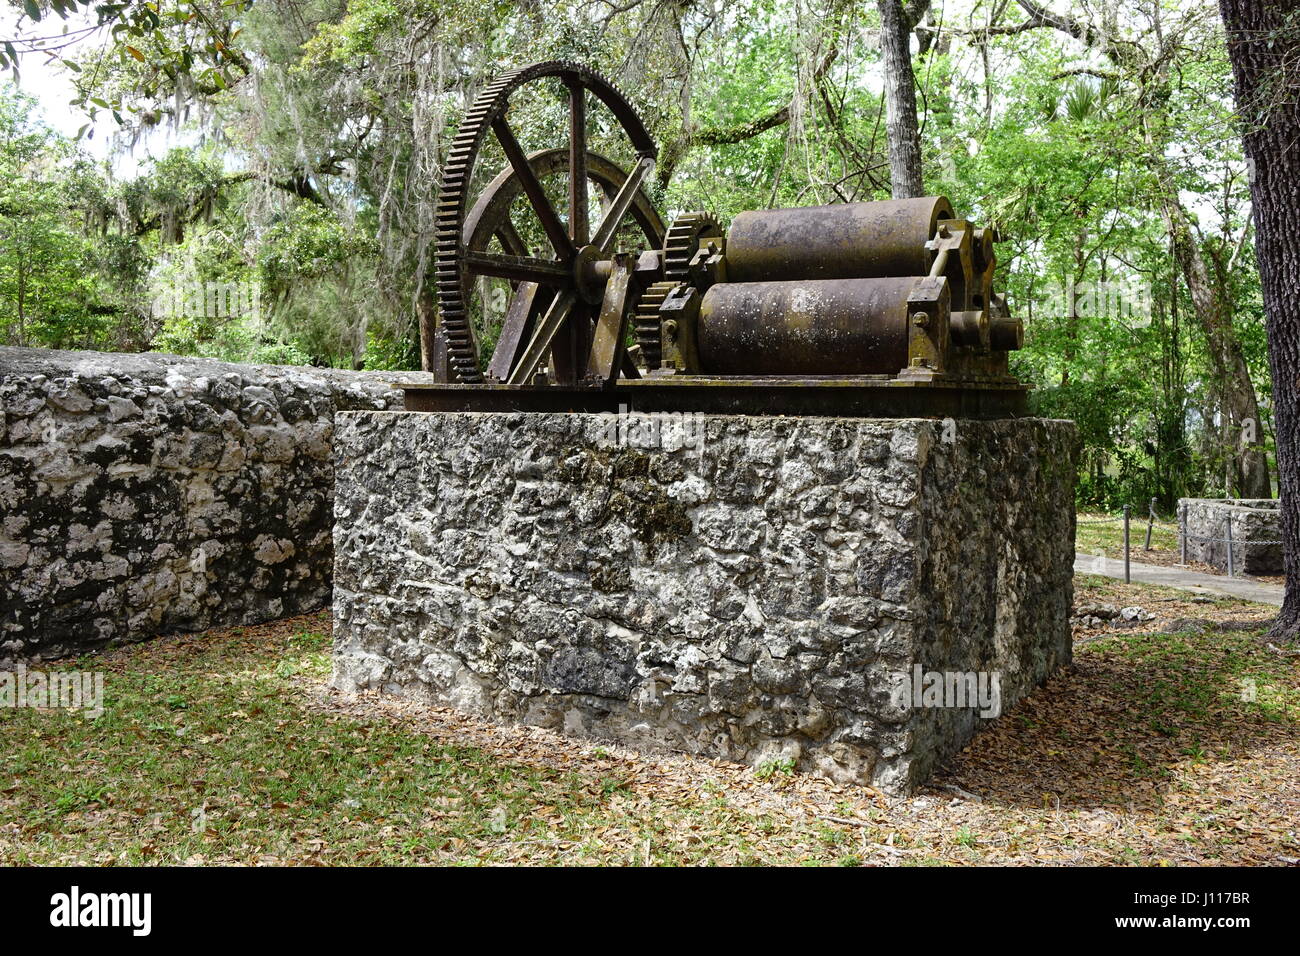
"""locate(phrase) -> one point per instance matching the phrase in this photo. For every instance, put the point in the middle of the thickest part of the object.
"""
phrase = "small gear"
(646, 322)
(683, 241)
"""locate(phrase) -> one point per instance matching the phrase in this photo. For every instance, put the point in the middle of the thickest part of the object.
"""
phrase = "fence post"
(1182, 532)
(1230, 566)
(1128, 511)
(1151, 520)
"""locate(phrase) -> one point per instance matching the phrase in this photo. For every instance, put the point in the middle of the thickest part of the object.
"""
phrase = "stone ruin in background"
(1248, 527)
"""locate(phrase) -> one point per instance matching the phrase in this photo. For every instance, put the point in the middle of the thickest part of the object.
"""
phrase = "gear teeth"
(683, 239)
(646, 322)
(680, 244)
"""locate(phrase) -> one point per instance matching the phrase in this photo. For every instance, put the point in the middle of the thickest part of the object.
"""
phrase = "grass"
(211, 750)
(225, 748)
(1105, 533)
(1097, 533)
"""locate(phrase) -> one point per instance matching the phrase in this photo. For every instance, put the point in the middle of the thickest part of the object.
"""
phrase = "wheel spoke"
(519, 268)
(579, 226)
(554, 229)
(620, 204)
(511, 242)
(543, 335)
(517, 328)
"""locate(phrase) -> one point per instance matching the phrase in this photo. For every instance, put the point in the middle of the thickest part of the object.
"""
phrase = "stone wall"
(142, 494)
(1255, 529)
(750, 588)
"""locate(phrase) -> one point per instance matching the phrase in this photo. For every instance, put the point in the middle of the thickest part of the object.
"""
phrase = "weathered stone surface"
(1255, 530)
(141, 494)
(752, 594)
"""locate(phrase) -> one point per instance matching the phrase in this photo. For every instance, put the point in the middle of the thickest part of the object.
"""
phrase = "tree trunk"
(896, 23)
(1246, 459)
(1262, 45)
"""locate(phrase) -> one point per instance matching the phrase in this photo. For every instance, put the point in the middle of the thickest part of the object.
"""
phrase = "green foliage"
(59, 285)
(328, 121)
(163, 49)
(1067, 166)
(309, 242)
(771, 768)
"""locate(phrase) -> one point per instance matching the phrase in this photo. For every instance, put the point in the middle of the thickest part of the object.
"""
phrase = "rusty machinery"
(854, 308)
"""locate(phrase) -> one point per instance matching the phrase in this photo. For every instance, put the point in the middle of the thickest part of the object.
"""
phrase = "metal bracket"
(928, 329)
(679, 318)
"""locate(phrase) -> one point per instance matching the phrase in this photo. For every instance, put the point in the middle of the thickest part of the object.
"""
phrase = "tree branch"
(672, 153)
(725, 135)
(1121, 52)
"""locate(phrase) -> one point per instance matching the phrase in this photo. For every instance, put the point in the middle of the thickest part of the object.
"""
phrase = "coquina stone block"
(1252, 524)
(749, 588)
(142, 494)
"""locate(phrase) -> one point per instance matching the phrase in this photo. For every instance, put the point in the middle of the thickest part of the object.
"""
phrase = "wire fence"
(1232, 541)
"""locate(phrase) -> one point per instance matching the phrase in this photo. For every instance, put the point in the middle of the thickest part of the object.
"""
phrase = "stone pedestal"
(757, 589)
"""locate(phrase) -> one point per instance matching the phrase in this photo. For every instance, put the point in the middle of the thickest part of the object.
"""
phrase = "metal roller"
(810, 327)
(842, 241)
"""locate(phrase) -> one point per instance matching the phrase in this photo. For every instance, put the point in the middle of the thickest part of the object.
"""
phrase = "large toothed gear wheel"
(647, 322)
(557, 293)
(683, 241)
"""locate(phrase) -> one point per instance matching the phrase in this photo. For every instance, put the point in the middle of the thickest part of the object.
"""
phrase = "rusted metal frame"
(579, 225)
(609, 343)
(555, 231)
(543, 334)
(928, 330)
(517, 328)
(954, 258)
(571, 346)
(679, 316)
